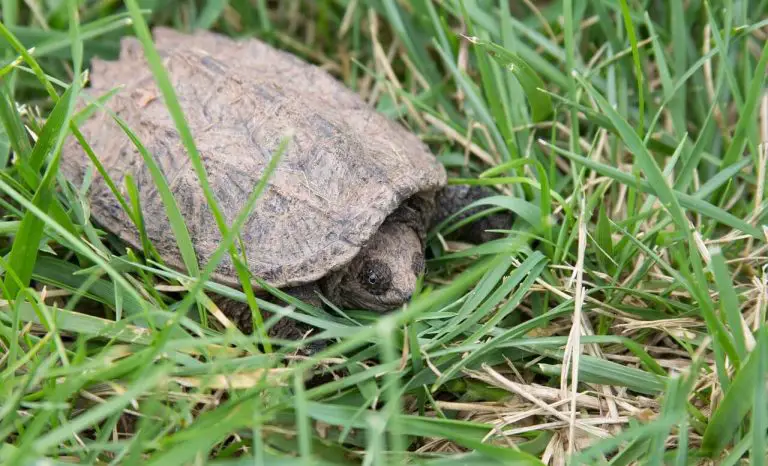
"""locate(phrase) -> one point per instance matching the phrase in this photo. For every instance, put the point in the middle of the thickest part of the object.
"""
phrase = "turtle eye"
(375, 276)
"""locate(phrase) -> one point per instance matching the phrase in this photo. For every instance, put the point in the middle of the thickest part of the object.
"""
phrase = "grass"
(621, 322)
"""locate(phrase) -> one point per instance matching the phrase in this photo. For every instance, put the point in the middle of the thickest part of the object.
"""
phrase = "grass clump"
(622, 321)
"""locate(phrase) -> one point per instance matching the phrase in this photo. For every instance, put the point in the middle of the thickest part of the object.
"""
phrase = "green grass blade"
(25, 249)
(211, 13)
(175, 218)
(747, 111)
(686, 200)
(175, 110)
(636, 58)
(12, 124)
(760, 410)
(729, 301)
(737, 402)
(540, 102)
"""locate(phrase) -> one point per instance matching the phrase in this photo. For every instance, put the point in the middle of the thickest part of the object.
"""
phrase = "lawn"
(621, 320)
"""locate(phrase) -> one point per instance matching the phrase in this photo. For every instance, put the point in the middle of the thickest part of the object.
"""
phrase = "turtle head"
(383, 275)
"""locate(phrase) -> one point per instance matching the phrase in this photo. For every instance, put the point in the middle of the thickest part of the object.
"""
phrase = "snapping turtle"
(347, 209)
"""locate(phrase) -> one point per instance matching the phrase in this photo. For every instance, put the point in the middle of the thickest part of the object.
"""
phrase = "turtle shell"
(346, 168)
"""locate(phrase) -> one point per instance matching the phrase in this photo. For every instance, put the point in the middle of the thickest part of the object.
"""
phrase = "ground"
(621, 321)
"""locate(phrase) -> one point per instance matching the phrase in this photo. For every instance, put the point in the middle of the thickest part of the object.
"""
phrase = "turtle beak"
(391, 304)
(405, 296)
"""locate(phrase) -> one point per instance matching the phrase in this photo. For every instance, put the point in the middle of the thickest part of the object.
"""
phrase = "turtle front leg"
(453, 198)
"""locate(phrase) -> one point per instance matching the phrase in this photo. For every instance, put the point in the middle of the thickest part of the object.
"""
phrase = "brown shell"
(347, 168)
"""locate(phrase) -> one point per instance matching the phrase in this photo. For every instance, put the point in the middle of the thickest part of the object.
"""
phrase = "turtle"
(345, 213)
